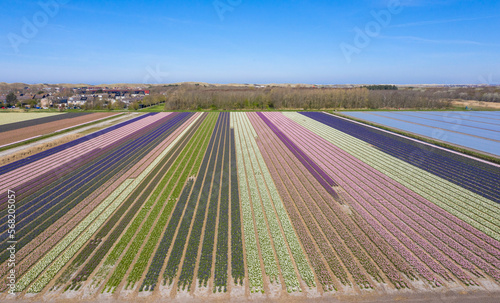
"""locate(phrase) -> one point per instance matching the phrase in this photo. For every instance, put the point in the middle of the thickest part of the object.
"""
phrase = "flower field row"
(50, 216)
(150, 209)
(249, 204)
(50, 205)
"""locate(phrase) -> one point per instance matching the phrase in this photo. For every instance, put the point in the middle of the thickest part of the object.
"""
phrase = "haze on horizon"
(239, 41)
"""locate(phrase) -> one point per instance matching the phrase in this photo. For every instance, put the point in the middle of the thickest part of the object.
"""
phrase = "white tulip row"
(253, 263)
(55, 267)
(263, 177)
(61, 246)
(123, 190)
(266, 248)
(457, 200)
(303, 267)
(481, 203)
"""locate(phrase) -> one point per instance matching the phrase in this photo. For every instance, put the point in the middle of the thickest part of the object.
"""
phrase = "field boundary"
(469, 153)
(55, 133)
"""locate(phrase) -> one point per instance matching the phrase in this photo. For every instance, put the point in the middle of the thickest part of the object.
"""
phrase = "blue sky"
(242, 41)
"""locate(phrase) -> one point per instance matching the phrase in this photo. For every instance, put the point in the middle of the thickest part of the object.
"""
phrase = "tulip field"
(247, 205)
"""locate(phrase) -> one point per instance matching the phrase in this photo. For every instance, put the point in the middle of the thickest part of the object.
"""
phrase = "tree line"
(191, 97)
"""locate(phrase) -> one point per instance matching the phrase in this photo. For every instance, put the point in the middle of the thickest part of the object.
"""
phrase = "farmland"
(8, 118)
(257, 205)
(22, 128)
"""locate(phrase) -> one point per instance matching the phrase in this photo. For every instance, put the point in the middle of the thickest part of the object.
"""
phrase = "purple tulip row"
(52, 177)
(489, 246)
(405, 234)
(286, 190)
(346, 226)
(395, 214)
(312, 167)
(342, 223)
(56, 230)
(305, 238)
(49, 177)
(438, 233)
(341, 169)
(473, 175)
(439, 238)
(37, 248)
(35, 213)
(32, 170)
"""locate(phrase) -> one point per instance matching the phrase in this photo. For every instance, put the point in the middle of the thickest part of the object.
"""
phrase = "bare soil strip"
(24, 133)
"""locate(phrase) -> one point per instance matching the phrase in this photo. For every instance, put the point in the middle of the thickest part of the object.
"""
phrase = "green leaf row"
(179, 171)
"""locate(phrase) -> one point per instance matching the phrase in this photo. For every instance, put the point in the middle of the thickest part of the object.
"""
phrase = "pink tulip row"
(36, 184)
(464, 263)
(395, 214)
(443, 239)
(406, 234)
(487, 247)
(284, 187)
(37, 168)
(52, 173)
(332, 210)
(52, 239)
(32, 207)
(436, 232)
(311, 251)
(307, 140)
(45, 241)
(335, 240)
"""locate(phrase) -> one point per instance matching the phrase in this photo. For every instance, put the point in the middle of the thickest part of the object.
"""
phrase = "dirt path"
(417, 297)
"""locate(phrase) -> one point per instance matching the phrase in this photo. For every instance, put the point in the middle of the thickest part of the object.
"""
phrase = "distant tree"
(87, 106)
(11, 99)
(119, 105)
(382, 87)
(40, 92)
(32, 102)
(135, 105)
